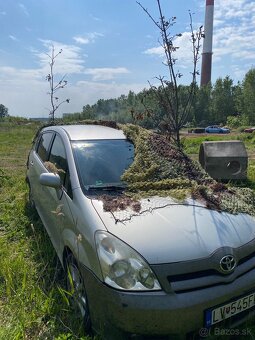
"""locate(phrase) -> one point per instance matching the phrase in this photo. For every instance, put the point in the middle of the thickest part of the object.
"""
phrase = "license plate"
(228, 310)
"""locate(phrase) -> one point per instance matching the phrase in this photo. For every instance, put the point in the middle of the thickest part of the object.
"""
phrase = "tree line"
(220, 103)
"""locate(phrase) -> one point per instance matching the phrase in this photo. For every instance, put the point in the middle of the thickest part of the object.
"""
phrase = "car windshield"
(101, 163)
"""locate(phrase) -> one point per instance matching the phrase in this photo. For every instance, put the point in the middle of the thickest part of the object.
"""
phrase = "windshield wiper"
(119, 186)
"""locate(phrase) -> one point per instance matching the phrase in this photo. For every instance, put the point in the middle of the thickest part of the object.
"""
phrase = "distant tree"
(238, 99)
(169, 94)
(3, 111)
(223, 104)
(147, 112)
(202, 106)
(131, 98)
(88, 112)
(249, 96)
(55, 86)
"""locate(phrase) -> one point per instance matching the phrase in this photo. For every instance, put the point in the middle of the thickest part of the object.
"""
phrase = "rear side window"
(43, 145)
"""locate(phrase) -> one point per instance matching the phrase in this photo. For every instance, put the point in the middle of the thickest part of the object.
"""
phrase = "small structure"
(224, 160)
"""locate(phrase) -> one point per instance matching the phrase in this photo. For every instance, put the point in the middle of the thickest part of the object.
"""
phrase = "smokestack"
(207, 46)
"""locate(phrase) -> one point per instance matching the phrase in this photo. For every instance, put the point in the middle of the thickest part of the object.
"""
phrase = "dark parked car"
(166, 271)
(249, 130)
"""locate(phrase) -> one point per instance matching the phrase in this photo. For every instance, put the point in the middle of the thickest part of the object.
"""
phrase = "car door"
(57, 214)
(38, 155)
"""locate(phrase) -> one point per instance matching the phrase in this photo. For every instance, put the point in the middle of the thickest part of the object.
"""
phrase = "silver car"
(170, 270)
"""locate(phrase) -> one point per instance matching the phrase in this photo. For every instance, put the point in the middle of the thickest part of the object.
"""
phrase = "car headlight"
(122, 267)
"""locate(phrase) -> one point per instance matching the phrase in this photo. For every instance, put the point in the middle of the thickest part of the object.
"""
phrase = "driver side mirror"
(50, 180)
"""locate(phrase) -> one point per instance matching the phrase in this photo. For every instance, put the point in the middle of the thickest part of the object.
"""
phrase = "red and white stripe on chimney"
(206, 70)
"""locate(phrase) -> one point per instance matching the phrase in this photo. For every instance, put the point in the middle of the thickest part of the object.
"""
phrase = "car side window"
(59, 163)
(43, 145)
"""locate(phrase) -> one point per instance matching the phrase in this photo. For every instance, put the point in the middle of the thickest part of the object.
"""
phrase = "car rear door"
(38, 155)
(56, 212)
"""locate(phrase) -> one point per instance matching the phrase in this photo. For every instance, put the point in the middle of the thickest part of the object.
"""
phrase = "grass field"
(33, 301)
(192, 144)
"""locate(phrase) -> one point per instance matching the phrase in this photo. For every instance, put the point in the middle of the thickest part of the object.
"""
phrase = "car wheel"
(76, 288)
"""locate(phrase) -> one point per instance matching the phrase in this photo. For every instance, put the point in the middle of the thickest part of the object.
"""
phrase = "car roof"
(89, 132)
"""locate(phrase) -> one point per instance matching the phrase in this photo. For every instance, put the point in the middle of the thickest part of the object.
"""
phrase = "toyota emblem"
(227, 263)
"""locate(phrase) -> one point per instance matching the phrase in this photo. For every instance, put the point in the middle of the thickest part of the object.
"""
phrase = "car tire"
(76, 288)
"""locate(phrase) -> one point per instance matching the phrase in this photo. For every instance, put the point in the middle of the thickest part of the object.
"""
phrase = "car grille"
(199, 274)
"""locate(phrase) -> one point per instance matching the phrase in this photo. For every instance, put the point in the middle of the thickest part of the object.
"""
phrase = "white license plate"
(218, 314)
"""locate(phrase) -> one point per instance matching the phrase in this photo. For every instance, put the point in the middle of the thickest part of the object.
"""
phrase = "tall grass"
(192, 143)
(33, 301)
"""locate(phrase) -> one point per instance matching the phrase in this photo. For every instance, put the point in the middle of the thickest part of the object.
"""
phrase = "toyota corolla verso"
(150, 266)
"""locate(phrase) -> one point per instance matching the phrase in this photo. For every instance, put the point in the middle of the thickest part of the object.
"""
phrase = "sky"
(109, 47)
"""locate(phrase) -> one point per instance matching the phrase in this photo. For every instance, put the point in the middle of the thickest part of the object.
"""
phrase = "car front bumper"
(159, 313)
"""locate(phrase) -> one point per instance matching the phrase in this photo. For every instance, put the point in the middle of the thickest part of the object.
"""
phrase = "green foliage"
(237, 122)
(248, 95)
(212, 104)
(202, 105)
(191, 145)
(3, 111)
(222, 100)
(88, 113)
(251, 173)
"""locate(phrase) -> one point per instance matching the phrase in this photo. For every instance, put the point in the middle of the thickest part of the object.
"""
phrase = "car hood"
(165, 231)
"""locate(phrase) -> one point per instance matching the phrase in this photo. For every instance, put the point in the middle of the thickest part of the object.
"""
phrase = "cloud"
(183, 54)
(159, 51)
(87, 38)
(233, 36)
(29, 88)
(13, 77)
(24, 9)
(69, 61)
(229, 9)
(106, 73)
(29, 92)
(81, 40)
(94, 18)
(12, 37)
(88, 92)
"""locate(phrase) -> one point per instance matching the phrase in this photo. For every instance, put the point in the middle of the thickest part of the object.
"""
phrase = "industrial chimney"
(207, 46)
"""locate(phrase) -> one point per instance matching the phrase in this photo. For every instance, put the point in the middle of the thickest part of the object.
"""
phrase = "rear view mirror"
(50, 180)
